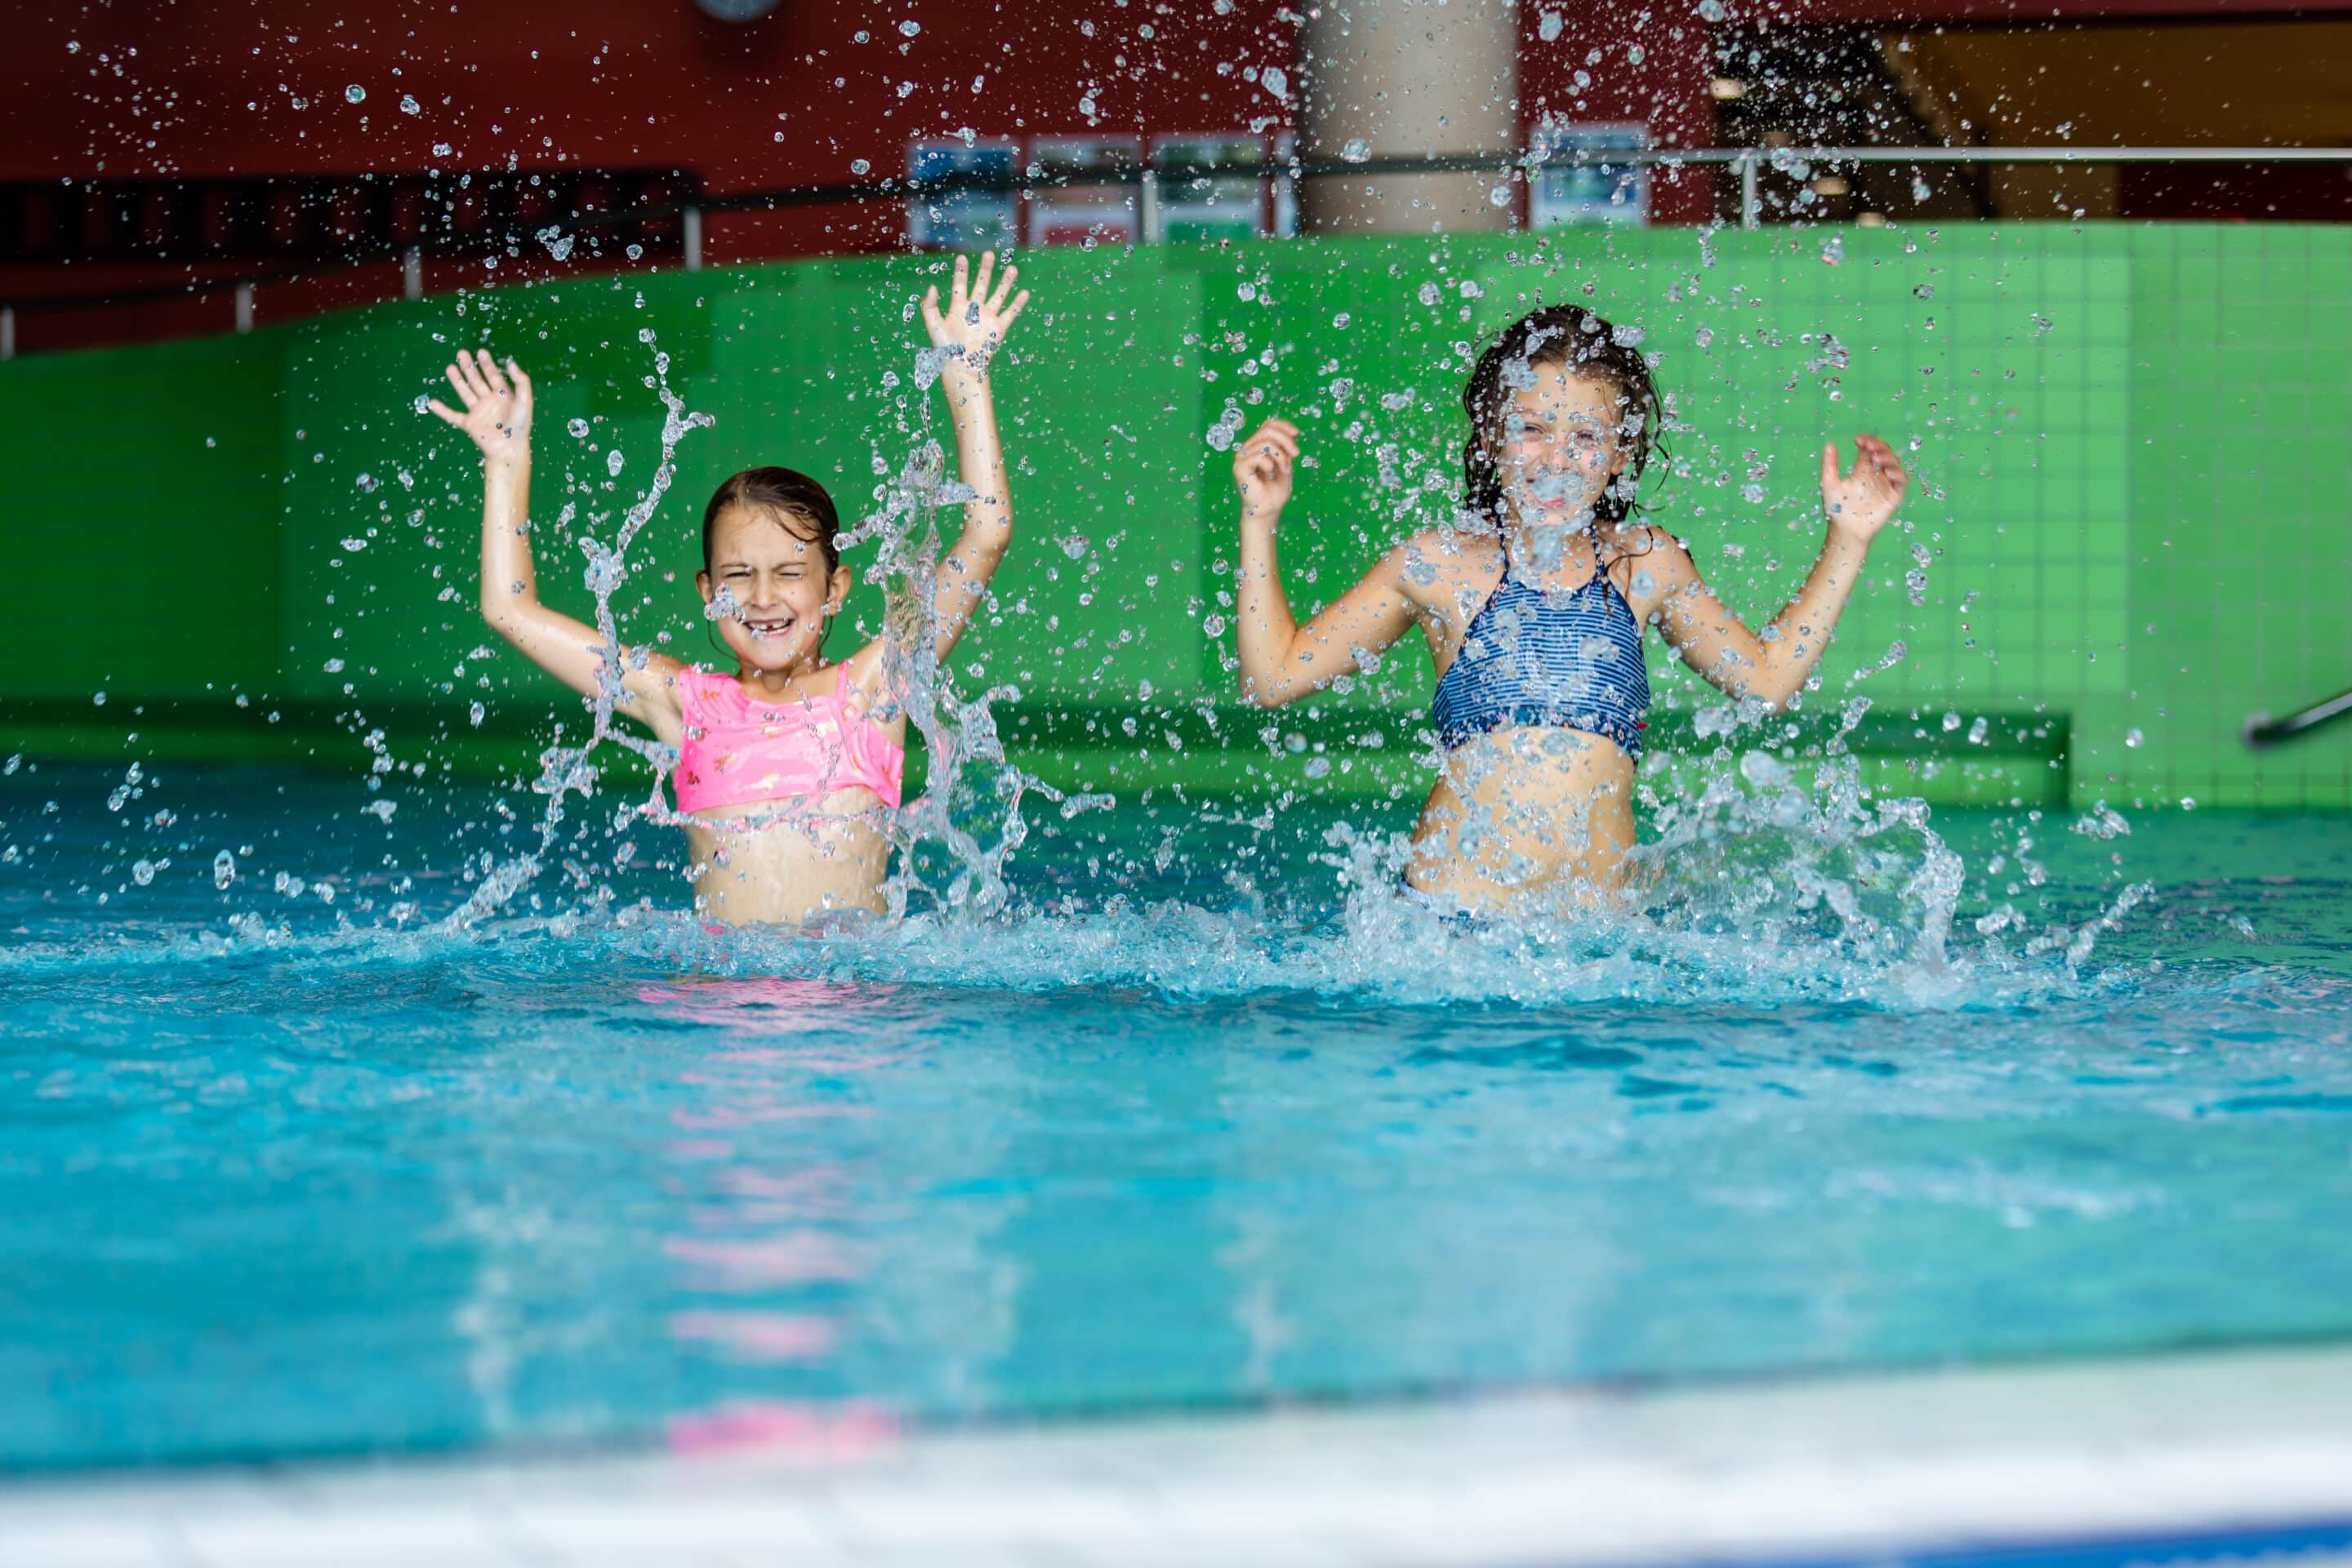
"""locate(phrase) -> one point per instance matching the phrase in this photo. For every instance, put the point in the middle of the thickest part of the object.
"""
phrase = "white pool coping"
(1849, 1470)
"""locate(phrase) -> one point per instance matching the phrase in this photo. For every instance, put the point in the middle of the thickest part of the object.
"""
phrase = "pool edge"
(2194, 1458)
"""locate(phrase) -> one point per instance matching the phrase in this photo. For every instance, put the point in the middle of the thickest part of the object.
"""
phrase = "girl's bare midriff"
(753, 870)
(1526, 812)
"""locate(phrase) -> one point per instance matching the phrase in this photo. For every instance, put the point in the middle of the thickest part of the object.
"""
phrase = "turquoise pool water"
(1192, 1121)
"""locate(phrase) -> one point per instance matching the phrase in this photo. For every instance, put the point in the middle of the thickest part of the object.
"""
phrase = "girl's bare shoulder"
(1434, 565)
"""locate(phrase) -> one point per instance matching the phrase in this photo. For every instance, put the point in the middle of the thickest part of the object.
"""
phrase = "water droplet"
(579, 427)
(354, 94)
(1354, 150)
(408, 105)
(1427, 294)
(475, 714)
(2133, 737)
(910, 28)
(613, 462)
(1548, 28)
(860, 166)
(224, 869)
(366, 483)
(143, 872)
(442, 148)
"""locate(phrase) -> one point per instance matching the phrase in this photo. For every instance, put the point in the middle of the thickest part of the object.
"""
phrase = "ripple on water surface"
(1241, 1126)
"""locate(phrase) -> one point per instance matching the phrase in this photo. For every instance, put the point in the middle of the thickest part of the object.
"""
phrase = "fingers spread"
(443, 409)
(461, 380)
(523, 382)
(987, 266)
(1829, 463)
(957, 294)
(1003, 287)
(491, 372)
(1012, 311)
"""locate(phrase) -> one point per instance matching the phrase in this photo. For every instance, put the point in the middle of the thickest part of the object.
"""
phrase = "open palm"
(1859, 503)
(973, 325)
(497, 404)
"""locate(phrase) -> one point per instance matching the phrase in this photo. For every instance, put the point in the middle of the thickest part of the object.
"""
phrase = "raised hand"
(973, 325)
(1263, 467)
(1858, 504)
(497, 405)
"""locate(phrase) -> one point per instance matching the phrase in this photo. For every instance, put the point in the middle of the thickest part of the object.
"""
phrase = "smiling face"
(769, 587)
(1561, 442)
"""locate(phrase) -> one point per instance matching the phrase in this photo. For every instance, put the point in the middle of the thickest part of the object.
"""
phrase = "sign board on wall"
(1090, 214)
(1198, 206)
(1576, 183)
(964, 219)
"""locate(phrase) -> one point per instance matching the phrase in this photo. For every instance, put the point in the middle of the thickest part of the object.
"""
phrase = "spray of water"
(972, 810)
(566, 771)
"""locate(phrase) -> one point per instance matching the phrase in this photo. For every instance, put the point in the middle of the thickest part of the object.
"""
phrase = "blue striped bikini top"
(1530, 658)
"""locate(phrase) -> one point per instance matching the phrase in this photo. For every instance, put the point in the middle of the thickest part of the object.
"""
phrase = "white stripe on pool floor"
(1849, 1470)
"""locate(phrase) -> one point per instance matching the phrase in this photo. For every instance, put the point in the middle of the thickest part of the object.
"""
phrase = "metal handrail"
(2262, 731)
(1750, 161)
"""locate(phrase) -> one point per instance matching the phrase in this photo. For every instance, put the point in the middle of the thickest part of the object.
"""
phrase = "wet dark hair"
(1567, 335)
(784, 491)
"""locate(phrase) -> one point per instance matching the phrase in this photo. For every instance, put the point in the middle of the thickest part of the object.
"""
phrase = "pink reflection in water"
(757, 1336)
(810, 1431)
(750, 1115)
(790, 1257)
(772, 1007)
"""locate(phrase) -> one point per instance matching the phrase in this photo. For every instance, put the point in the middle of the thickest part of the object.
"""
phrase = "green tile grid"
(2133, 481)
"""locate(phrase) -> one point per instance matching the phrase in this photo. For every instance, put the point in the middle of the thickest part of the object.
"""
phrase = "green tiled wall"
(2132, 502)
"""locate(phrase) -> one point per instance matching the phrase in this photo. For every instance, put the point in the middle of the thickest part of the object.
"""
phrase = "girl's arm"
(972, 328)
(1281, 660)
(1774, 666)
(498, 417)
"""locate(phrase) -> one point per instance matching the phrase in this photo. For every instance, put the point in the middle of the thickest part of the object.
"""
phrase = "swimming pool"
(1199, 1120)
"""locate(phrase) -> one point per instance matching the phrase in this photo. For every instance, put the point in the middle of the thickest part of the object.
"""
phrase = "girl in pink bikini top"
(789, 726)
(737, 751)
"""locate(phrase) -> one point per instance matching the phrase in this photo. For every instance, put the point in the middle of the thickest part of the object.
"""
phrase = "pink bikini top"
(737, 750)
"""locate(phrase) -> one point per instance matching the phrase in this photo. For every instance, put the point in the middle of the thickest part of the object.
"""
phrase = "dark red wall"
(184, 90)
(195, 91)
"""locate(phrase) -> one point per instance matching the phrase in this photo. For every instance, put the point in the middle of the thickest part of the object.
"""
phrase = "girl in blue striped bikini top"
(1535, 658)
(1533, 606)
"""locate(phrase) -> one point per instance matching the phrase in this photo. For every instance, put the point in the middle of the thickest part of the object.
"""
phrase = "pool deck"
(2202, 1458)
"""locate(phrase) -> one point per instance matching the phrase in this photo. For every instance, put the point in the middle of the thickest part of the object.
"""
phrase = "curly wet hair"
(1573, 336)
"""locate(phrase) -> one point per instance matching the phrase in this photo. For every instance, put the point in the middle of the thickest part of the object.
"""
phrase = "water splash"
(565, 771)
